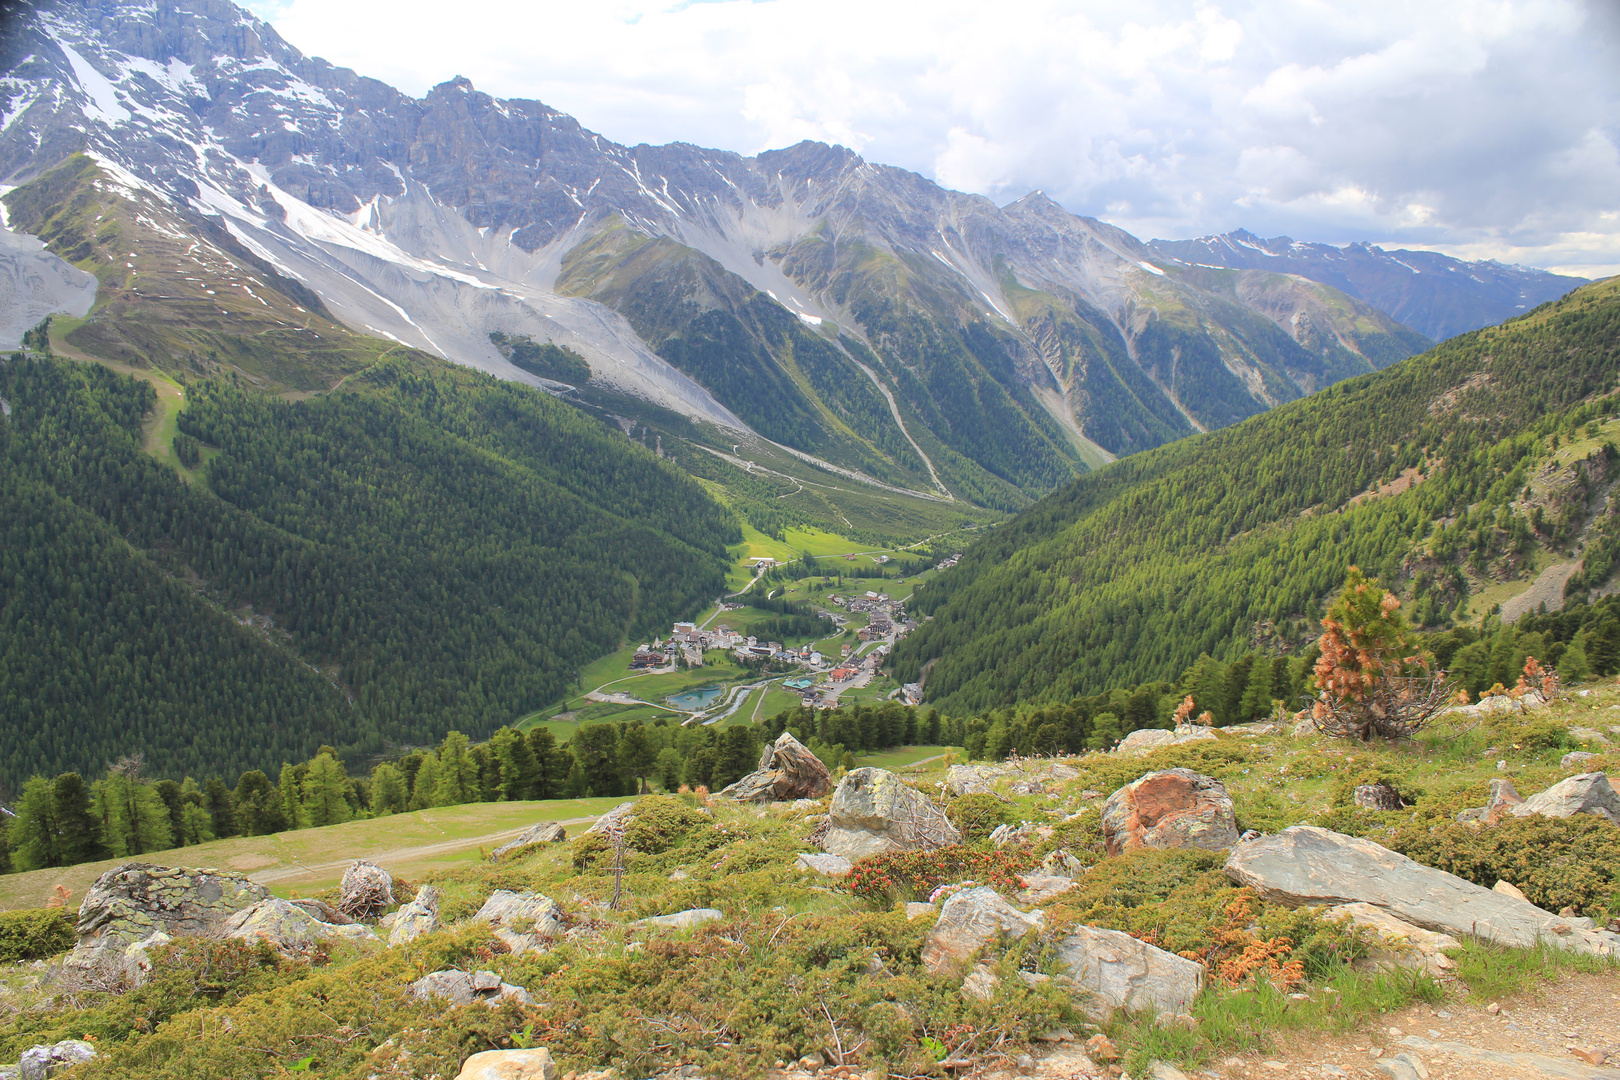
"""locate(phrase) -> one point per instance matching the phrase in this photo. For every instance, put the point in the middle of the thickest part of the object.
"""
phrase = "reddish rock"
(1174, 808)
(1501, 803)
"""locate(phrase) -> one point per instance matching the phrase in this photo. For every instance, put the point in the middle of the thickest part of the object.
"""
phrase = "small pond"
(696, 699)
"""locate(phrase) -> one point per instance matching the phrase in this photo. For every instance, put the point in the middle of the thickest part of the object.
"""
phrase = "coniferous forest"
(433, 550)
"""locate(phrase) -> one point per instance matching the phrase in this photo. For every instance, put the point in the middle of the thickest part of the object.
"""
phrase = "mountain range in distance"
(799, 303)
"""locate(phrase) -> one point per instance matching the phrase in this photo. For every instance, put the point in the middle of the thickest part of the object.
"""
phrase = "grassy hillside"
(1438, 474)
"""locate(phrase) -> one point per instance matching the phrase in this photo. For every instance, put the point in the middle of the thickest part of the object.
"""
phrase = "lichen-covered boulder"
(1147, 740)
(524, 920)
(873, 811)
(1588, 793)
(131, 903)
(682, 920)
(1502, 800)
(289, 928)
(412, 920)
(969, 780)
(1112, 970)
(1174, 808)
(41, 1062)
(1377, 797)
(366, 892)
(969, 922)
(467, 988)
(546, 832)
(787, 770)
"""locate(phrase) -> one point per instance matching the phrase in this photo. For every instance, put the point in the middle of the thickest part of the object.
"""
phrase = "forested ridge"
(1130, 573)
(433, 550)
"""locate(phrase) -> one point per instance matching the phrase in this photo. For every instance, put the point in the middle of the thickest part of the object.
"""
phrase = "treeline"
(67, 820)
(438, 550)
(1131, 572)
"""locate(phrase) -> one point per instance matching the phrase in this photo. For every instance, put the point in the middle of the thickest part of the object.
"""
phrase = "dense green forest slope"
(1434, 474)
(427, 549)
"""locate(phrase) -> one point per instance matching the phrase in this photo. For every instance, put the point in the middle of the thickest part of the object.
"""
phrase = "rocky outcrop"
(1042, 888)
(524, 920)
(130, 903)
(1502, 800)
(968, 780)
(1147, 740)
(1588, 793)
(40, 1062)
(1306, 865)
(787, 770)
(1377, 797)
(874, 812)
(1396, 942)
(1175, 808)
(366, 892)
(547, 832)
(467, 988)
(289, 927)
(682, 920)
(969, 922)
(412, 920)
(534, 1064)
(1112, 970)
(823, 863)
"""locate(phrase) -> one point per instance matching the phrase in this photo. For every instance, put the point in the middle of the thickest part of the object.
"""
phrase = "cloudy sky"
(1482, 128)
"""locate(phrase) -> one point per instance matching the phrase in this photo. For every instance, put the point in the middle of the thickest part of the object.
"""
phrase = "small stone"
(1591, 1057)
(1024, 1063)
(823, 863)
(531, 1064)
(812, 1061)
(980, 984)
(1160, 1070)
(1493, 1008)
(682, 920)
(1375, 1052)
(1056, 1035)
(916, 911)
(1102, 1048)
(1274, 1066)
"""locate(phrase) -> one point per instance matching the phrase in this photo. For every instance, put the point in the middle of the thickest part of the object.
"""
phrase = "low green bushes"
(1557, 862)
(35, 934)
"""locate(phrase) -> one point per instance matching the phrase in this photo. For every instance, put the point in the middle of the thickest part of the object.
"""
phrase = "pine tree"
(221, 808)
(35, 833)
(388, 791)
(426, 788)
(291, 792)
(638, 753)
(322, 794)
(258, 805)
(458, 773)
(80, 831)
(137, 817)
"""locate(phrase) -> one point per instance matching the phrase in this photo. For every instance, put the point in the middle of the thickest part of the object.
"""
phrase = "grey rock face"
(546, 832)
(1306, 865)
(873, 811)
(787, 770)
(531, 1064)
(1172, 808)
(968, 780)
(831, 865)
(289, 927)
(1116, 971)
(1503, 798)
(40, 1062)
(682, 920)
(969, 922)
(468, 987)
(1588, 793)
(412, 920)
(1377, 797)
(524, 920)
(1148, 740)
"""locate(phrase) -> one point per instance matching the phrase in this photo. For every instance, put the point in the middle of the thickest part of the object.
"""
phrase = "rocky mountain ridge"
(857, 313)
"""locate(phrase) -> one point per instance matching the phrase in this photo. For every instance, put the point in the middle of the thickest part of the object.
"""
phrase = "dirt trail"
(397, 855)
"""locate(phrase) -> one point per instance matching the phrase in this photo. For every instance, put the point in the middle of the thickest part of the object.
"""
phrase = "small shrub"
(977, 816)
(661, 823)
(1558, 862)
(912, 875)
(35, 934)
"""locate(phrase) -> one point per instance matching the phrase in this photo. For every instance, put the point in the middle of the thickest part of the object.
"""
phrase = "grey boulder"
(823, 863)
(289, 927)
(1147, 740)
(40, 1062)
(1305, 865)
(547, 832)
(524, 920)
(874, 812)
(1588, 793)
(412, 920)
(969, 922)
(1112, 970)
(468, 988)
(682, 920)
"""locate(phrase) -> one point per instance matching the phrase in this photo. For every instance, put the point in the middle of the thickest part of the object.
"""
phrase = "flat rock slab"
(1117, 971)
(289, 927)
(468, 988)
(969, 922)
(1513, 1064)
(1306, 865)
(546, 832)
(522, 912)
(824, 863)
(1147, 740)
(682, 920)
(1398, 942)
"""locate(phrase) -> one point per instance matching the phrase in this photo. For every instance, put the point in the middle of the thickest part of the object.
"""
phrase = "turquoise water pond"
(698, 698)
